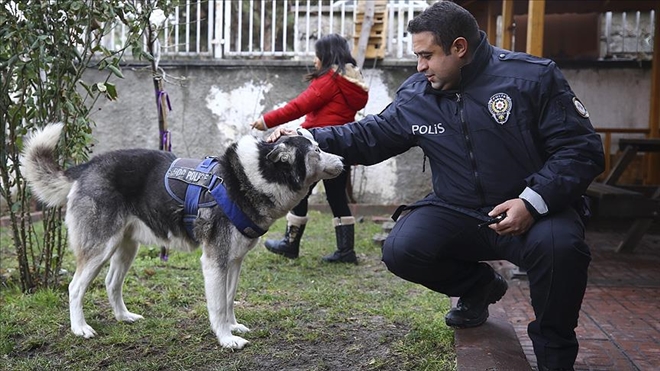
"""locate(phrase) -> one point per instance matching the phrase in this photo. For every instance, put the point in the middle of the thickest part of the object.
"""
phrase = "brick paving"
(619, 325)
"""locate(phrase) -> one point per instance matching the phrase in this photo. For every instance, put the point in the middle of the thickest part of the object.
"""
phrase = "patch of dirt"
(359, 345)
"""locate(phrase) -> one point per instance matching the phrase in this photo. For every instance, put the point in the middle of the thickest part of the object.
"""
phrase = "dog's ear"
(282, 153)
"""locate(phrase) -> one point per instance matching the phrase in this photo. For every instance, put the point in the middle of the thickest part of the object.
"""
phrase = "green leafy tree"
(45, 48)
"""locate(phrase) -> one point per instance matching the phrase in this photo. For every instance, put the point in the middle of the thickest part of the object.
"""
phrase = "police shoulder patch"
(580, 108)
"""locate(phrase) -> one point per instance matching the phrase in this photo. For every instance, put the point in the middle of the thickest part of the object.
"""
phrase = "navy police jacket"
(512, 129)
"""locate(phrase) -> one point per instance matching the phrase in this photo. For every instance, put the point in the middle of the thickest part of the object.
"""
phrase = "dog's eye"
(317, 150)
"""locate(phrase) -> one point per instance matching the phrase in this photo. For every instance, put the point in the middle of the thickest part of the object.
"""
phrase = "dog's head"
(292, 162)
(302, 156)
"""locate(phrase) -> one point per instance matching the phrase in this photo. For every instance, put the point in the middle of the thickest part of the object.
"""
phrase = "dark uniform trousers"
(439, 248)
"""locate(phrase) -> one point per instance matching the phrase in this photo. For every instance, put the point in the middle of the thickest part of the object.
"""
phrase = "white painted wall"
(213, 105)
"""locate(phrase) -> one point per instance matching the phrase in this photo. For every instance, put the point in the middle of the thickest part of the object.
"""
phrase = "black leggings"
(335, 193)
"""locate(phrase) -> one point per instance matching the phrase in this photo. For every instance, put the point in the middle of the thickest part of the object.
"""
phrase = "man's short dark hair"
(447, 21)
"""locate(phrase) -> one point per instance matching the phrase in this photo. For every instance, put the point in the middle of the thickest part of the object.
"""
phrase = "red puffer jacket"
(331, 99)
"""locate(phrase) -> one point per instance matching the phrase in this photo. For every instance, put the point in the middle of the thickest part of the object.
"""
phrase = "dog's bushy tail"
(40, 168)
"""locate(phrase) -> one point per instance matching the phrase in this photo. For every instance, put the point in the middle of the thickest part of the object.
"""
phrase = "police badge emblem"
(499, 106)
(580, 108)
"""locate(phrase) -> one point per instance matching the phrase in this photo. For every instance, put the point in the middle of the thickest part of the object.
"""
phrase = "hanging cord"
(162, 98)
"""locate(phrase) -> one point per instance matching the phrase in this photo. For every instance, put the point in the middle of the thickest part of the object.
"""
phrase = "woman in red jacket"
(335, 94)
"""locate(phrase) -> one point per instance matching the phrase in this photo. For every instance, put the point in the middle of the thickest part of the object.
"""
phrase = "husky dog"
(122, 198)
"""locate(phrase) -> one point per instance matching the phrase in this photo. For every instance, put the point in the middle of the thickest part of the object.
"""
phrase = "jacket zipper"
(468, 143)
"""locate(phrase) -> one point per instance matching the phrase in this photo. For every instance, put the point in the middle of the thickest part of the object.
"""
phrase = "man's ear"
(459, 47)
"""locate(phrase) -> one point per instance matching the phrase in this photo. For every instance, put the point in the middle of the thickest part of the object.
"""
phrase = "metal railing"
(268, 29)
(287, 29)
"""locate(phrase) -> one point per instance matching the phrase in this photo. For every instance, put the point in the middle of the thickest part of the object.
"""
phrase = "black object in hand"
(494, 220)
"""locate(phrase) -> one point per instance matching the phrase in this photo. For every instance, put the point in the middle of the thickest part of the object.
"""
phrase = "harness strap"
(199, 181)
(191, 201)
(237, 217)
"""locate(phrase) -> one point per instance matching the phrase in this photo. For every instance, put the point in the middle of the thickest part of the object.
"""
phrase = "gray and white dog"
(121, 199)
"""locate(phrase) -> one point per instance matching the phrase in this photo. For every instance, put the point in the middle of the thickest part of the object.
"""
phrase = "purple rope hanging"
(166, 145)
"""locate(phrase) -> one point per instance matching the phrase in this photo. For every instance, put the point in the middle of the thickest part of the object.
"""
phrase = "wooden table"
(649, 209)
(630, 147)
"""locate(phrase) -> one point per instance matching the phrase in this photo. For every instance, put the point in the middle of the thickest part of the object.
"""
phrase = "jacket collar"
(471, 70)
(479, 60)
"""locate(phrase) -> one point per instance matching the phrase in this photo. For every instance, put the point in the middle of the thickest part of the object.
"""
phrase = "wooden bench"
(614, 200)
(610, 201)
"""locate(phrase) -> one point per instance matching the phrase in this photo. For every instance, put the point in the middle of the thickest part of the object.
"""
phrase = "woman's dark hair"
(447, 21)
(332, 50)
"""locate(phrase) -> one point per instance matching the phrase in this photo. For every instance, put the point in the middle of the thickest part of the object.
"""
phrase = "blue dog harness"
(203, 188)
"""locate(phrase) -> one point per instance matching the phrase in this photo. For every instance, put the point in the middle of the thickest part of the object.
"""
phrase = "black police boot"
(345, 233)
(289, 246)
(472, 309)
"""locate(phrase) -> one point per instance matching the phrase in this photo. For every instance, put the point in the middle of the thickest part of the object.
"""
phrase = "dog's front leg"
(232, 285)
(216, 284)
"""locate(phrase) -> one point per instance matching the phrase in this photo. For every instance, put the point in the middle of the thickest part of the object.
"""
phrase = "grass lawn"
(304, 314)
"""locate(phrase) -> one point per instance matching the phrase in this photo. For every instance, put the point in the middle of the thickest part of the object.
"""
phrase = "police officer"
(511, 150)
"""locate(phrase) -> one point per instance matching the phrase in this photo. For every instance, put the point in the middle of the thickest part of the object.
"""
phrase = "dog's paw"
(233, 342)
(128, 317)
(85, 331)
(239, 328)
